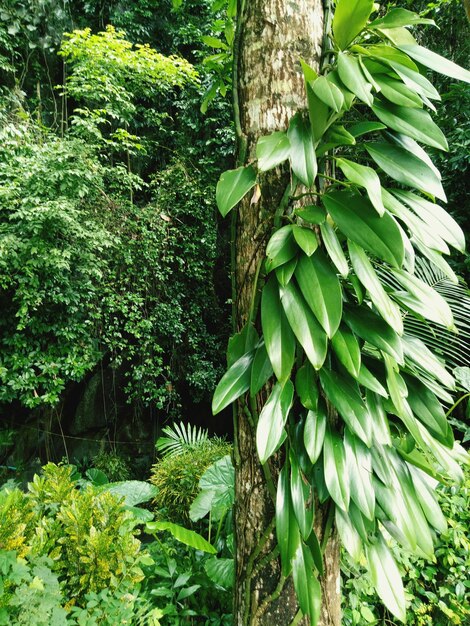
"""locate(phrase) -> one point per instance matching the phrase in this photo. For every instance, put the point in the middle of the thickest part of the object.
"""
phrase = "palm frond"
(180, 438)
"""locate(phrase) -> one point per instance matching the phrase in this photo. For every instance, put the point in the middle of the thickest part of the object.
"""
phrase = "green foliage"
(437, 590)
(113, 465)
(373, 339)
(177, 478)
(180, 438)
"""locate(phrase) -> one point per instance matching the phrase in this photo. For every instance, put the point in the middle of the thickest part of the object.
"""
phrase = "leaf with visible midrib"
(232, 186)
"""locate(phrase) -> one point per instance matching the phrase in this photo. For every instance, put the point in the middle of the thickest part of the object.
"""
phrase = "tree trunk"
(273, 35)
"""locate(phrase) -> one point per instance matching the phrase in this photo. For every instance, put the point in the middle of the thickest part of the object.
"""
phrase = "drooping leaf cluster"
(357, 398)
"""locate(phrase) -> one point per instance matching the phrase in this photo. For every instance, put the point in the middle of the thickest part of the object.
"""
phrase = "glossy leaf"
(336, 474)
(334, 249)
(272, 150)
(347, 350)
(436, 62)
(234, 383)
(362, 128)
(373, 329)
(306, 239)
(415, 123)
(328, 93)
(359, 221)
(270, 433)
(314, 433)
(380, 425)
(281, 248)
(429, 411)
(319, 113)
(423, 299)
(400, 17)
(242, 342)
(306, 585)
(287, 529)
(261, 370)
(352, 76)
(188, 537)
(397, 92)
(386, 578)
(349, 19)
(348, 534)
(406, 168)
(436, 217)
(306, 386)
(388, 55)
(308, 331)
(387, 308)
(412, 146)
(278, 336)
(419, 353)
(221, 571)
(359, 471)
(425, 490)
(364, 177)
(414, 80)
(369, 381)
(232, 186)
(302, 150)
(313, 214)
(345, 397)
(321, 289)
(336, 136)
(302, 497)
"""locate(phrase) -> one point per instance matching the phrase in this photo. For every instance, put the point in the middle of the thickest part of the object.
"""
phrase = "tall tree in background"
(341, 438)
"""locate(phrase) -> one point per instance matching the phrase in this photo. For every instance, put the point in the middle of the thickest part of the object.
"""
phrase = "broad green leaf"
(321, 289)
(336, 473)
(448, 460)
(397, 518)
(348, 534)
(387, 54)
(214, 42)
(406, 168)
(400, 17)
(364, 177)
(387, 308)
(369, 381)
(382, 464)
(462, 375)
(285, 271)
(415, 123)
(346, 348)
(216, 491)
(302, 150)
(359, 221)
(334, 249)
(423, 299)
(272, 150)
(386, 578)
(314, 433)
(398, 36)
(318, 112)
(287, 529)
(359, 471)
(313, 214)
(188, 537)
(373, 329)
(380, 425)
(436, 62)
(306, 585)
(328, 93)
(308, 331)
(232, 186)
(309, 73)
(414, 80)
(336, 136)
(242, 342)
(352, 76)
(362, 128)
(278, 336)
(363, 526)
(429, 411)
(306, 239)
(134, 492)
(306, 386)
(412, 146)
(397, 92)
(234, 383)
(345, 397)
(270, 433)
(436, 217)
(221, 571)
(427, 500)
(419, 353)
(261, 370)
(349, 19)
(302, 497)
(281, 248)
(316, 551)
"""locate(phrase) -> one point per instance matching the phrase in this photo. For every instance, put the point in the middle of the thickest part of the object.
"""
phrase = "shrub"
(177, 477)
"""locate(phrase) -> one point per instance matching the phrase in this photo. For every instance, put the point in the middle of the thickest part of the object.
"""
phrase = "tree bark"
(273, 35)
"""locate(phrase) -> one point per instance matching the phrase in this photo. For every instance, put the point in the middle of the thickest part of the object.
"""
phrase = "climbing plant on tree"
(352, 402)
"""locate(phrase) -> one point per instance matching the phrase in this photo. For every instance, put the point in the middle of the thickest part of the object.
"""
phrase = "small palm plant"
(180, 438)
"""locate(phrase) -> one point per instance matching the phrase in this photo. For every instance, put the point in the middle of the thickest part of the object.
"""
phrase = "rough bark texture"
(273, 36)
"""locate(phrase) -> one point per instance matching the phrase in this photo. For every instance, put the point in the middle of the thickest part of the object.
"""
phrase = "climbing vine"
(343, 288)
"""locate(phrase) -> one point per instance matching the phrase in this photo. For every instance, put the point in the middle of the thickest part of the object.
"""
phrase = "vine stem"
(467, 395)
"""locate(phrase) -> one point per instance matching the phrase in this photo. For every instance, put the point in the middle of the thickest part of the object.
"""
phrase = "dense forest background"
(115, 123)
